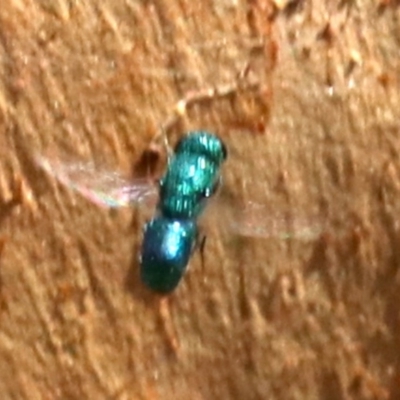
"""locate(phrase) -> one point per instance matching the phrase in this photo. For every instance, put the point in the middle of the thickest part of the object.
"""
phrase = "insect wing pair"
(110, 189)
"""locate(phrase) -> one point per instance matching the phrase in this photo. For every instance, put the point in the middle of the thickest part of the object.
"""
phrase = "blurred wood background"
(264, 318)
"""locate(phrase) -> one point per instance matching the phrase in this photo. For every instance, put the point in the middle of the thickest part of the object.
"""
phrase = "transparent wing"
(102, 187)
(258, 220)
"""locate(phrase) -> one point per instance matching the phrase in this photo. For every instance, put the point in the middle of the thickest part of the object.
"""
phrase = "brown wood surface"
(262, 318)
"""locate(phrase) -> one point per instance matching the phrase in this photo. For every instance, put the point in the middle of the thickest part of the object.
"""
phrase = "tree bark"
(305, 95)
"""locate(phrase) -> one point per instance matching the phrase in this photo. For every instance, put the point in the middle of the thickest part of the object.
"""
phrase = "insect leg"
(202, 248)
(211, 192)
(201, 245)
(163, 137)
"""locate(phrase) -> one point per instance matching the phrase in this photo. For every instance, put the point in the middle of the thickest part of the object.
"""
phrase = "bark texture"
(308, 103)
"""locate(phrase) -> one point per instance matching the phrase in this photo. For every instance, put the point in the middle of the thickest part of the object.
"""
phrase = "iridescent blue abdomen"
(167, 247)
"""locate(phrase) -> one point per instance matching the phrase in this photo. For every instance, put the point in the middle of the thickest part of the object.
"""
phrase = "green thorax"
(192, 175)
